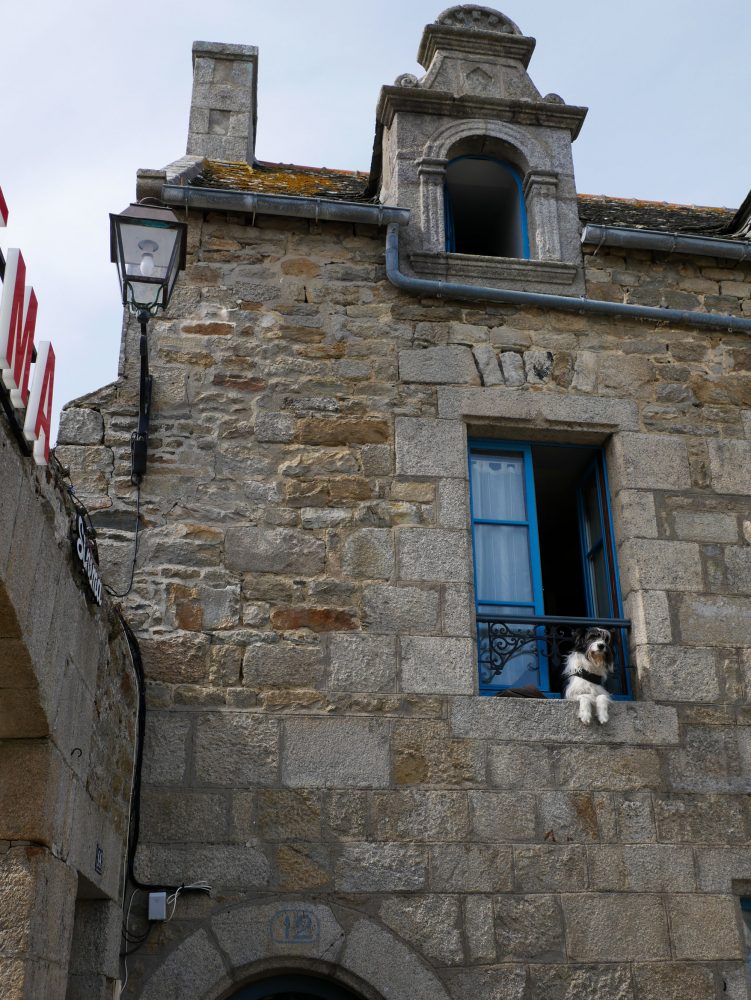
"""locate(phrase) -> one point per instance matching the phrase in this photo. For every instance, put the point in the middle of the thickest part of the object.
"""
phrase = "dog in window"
(586, 671)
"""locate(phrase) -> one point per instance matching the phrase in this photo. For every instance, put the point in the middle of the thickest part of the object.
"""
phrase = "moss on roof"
(348, 185)
(284, 178)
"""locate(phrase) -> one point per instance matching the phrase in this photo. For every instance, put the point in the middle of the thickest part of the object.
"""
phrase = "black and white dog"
(587, 668)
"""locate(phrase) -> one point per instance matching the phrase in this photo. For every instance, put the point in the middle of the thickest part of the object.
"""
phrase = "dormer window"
(485, 211)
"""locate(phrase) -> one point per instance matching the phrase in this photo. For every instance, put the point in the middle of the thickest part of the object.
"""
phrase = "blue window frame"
(746, 914)
(544, 561)
(485, 213)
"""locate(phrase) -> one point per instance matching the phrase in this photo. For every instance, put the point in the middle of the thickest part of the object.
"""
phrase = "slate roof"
(349, 185)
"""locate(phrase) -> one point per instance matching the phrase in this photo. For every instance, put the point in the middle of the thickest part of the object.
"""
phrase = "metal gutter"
(649, 239)
(253, 203)
(478, 293)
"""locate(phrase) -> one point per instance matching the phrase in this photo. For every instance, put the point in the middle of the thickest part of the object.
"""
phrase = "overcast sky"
(93, 90)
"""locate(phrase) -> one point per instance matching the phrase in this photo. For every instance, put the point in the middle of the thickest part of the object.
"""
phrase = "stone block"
(478, 929)
(652, 564)
(274, 427)
(434, 554)
(487, 363)
(180, 816)
(504, 817)
(400, 609)
(607, 768)
(517, 765)
(634, 514)
(705, 927)
(453, 504)
(284, 664)
(649, 462)
(176, 658)
(165, 748)
(380, 868)
(346, 815)
(273, 550)
(701, 819)
(424, 754)
(362, 662)
(223, 866)
(439, 366)
(492, 982)
(418, 815)
(568, 817)
(195, 965)
(673, 981)
(719, 867)
(287, 814)
(650, 617)
(710, 760)
(336, 753)
(738, 568)
(705, 526)
(430, 924)
(715, 620)
(470, 868)
(512, 367)
(437, 665)
(236, 749)
(538, 721)
(427, 447)
(550, 868)
(634, 818)
(379, 957)
(730, 466)
(615, 927)
(582, 982)
(529, 928)
(95, 944)
(679, 673)
(541, 409)
(538, 366)
(642, 868)
(80, 426)
(368, 553)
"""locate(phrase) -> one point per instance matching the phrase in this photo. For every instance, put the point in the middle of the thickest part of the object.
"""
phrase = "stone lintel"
(526, 275)
(414, 100)
(593, 414)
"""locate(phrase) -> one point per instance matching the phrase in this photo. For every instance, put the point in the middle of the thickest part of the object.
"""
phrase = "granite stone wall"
(303, 598)
(67, 727)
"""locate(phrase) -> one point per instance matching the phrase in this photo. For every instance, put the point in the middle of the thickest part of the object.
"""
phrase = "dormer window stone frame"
(426, 123)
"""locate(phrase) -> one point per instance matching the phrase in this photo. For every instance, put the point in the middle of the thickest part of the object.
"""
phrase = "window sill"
(525, 275)
(556, 721)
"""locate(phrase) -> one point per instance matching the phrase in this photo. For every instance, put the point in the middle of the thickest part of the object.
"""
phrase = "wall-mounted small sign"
(86, 557)
(99, 859)
(294, 926)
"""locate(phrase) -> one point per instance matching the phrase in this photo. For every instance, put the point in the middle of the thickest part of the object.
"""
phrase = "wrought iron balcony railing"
(530, 651)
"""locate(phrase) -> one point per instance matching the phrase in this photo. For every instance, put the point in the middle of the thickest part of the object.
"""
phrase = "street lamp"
(148, 245)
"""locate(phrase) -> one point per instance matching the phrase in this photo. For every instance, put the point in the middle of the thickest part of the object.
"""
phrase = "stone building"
(327, 616)
(67, 724)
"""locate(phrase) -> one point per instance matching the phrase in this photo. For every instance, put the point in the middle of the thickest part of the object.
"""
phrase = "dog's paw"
(585, 716)
(602, 716)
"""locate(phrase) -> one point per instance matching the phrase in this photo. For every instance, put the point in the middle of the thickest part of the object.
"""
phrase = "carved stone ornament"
(406, 80)
(553, 99)
(478, 81)
(477, 18)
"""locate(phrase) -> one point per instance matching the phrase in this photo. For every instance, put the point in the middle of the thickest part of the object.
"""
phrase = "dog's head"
(596, 644)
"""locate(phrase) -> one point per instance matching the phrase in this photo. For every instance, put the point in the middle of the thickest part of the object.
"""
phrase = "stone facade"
(316, 745)
(67, 728)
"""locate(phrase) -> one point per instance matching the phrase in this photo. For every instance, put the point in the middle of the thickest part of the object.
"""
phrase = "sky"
(93, 90)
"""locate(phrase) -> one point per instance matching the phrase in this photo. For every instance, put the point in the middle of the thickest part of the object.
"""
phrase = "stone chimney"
(223, 106)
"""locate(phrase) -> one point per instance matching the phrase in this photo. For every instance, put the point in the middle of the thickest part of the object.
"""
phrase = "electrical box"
(157, 906)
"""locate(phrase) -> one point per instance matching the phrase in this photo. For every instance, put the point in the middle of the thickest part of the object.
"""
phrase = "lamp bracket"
(139, 441)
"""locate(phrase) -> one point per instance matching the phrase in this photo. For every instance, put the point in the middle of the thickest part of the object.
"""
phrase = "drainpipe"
(479, 293)
(649, 239)
(323, 209)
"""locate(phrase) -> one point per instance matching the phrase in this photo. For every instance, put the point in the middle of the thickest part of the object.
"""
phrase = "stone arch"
(532, 154)
(240, 944)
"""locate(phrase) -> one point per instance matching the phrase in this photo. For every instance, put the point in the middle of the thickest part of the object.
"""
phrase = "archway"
(293, 987)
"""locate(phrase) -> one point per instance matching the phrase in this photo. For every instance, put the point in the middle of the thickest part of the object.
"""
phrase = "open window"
(485, 211)
(544, 562)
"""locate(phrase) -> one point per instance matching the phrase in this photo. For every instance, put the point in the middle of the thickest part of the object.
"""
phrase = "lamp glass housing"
(148, 245)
